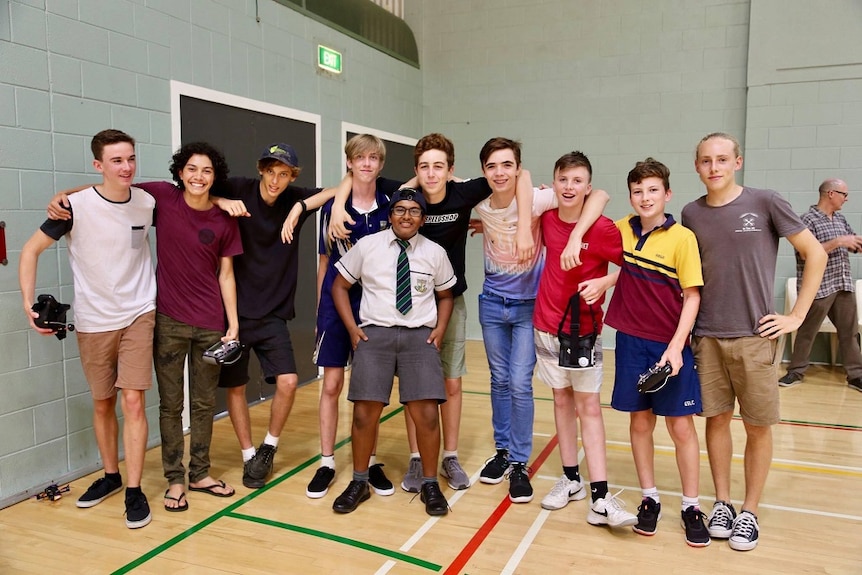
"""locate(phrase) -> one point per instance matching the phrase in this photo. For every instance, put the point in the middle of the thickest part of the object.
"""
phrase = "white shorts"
(586, 380)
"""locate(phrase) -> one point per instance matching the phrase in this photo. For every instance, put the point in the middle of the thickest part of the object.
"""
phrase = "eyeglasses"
(839, 192)
(401, 210)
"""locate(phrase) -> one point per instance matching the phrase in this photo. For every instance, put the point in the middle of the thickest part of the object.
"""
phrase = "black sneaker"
(378, 480)
(649, 512)
(693, 521)
(432, 497)
(720, 522)
(790, 379)
(349, 500)
(137, 510)
(746, 532)
(520, 490)
(257, 469)
(855, 383)
(319, 484)
(100, 490)
(495, 468)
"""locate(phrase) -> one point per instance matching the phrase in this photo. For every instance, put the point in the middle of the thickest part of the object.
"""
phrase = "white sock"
(414, 455)
(690, 502)
(450, 453)
(271, 440)
(651, 492)
(248, 453)
(372, 460)
(328, 461)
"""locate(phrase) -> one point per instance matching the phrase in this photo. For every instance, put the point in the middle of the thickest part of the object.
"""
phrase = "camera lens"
(583, 362)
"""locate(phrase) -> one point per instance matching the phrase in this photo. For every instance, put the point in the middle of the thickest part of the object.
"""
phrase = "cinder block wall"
(70, 68)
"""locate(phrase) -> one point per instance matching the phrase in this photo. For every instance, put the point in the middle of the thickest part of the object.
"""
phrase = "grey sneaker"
(790, 379)
(412, 481)
(720, 524)
(452, 470)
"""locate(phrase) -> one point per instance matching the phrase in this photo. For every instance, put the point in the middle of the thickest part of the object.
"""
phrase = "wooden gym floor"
(810, 516)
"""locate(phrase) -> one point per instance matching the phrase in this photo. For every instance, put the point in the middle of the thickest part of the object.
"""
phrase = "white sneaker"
(609, 511)
(564, 490)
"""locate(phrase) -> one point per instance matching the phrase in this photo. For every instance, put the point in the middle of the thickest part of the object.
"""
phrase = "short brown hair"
(497, 144)
(106, 138)
(365, 144)
(575, 159)
(649, 168)
(434, 141)
(266, 163)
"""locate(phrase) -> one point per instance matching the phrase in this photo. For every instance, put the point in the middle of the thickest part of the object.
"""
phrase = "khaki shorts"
(586, 380)
(743, 368)
(119, 359)
(453, 350)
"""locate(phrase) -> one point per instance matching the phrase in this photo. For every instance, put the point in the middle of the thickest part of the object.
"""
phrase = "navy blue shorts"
(332, 347)
(270, 340)
(635, 355)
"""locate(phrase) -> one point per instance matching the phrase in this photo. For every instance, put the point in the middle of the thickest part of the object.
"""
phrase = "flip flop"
(179, 507)
(211, 489)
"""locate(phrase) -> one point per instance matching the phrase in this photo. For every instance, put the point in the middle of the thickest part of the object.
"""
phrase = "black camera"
(580, 355)
(655, 378)
(576, 352)
(52, 315)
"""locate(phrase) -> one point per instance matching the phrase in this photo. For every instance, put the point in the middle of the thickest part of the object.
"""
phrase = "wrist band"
(304, 207)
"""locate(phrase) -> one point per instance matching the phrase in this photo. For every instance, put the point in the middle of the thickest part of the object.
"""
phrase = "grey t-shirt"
(738, 248)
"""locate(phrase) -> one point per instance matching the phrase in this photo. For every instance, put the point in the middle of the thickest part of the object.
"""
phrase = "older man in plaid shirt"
(835, 298)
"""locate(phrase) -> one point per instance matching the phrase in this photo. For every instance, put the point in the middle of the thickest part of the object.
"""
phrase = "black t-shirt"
(266, 272)
(447, 223)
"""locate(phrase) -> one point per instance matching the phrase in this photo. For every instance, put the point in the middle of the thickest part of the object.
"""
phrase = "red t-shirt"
(602, 244)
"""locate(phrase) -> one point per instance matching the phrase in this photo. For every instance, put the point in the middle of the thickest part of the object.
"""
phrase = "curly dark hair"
(184, 154)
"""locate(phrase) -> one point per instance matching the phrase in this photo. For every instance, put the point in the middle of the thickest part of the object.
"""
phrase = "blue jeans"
(507, 329)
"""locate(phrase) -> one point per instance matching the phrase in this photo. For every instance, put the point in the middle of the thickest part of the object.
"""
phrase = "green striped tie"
(403, 299)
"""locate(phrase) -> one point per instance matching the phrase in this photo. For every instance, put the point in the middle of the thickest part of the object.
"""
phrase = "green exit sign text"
(328, 59)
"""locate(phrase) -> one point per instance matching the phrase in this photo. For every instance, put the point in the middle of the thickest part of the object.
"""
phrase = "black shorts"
(270, 340)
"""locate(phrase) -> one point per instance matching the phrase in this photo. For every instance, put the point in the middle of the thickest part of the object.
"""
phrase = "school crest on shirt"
(420, 285)
(748, 223)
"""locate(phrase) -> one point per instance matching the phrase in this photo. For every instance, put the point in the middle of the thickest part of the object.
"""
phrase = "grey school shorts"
(400, 351)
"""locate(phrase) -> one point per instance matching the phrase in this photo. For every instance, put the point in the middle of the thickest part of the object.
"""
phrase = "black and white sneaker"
(520, 490)
(137, 510)
(790, 379)
(495, 468)
(746, 532)
(319, 485)
(100, 490)
(378, 480)
(720, 524)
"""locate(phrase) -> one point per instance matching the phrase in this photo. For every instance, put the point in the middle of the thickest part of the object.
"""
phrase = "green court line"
(337, 538)
(231, 508)
(847, 426)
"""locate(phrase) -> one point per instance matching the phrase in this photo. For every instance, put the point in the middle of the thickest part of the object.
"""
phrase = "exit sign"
(328, 59)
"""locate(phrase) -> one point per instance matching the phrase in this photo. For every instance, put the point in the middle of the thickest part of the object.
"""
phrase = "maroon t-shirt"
(189, 247)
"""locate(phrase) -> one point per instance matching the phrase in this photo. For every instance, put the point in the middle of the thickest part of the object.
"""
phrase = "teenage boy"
(406, 304)
(653, 309)
(835, 298)
(736, 330)
(576, 390)
(266, 277)
(368, 206)
(115, 301)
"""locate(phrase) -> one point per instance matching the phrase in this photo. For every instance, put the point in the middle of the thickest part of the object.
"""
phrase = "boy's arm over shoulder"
(594, 205)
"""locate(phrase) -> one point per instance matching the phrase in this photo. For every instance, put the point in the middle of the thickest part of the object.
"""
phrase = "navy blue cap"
(411, 195)
(284, 153)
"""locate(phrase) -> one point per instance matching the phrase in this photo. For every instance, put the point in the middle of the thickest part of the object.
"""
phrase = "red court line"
(470, 549)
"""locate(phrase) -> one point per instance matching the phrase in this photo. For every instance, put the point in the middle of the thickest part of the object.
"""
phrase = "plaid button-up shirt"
(837, 276)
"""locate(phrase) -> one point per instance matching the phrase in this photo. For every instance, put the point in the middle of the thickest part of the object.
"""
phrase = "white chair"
(826, 326)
